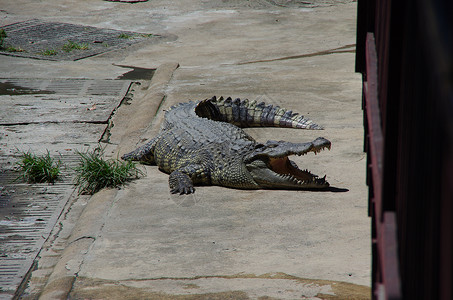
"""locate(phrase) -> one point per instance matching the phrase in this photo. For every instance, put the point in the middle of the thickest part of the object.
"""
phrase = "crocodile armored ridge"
(201, 143)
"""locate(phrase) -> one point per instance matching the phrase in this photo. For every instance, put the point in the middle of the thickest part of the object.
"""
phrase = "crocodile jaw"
(282, 173)
(271, 168)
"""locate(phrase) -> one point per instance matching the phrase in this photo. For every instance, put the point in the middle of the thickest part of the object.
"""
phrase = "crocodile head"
(270, 166)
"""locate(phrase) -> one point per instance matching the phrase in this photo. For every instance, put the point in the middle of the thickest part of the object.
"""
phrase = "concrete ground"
(141, 242)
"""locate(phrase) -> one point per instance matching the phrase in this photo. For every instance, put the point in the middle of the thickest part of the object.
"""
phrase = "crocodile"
(202, 143)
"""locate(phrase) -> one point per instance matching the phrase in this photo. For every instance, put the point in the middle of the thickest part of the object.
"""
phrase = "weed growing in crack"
(132, 36)
(38, 169)
(70, 45)
(3, 35)
(124, 36)
(95, 173)
(14, 49)
(49, 52)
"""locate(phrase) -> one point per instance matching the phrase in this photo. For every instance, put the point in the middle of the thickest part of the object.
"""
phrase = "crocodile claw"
(180, 183)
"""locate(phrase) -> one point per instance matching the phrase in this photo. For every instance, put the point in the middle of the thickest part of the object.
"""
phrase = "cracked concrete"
(140, 241)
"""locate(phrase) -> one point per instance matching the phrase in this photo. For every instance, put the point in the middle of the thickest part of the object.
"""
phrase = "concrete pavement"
(140, 242)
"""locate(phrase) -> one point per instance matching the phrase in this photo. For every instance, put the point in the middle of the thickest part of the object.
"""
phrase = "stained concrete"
(218, 243)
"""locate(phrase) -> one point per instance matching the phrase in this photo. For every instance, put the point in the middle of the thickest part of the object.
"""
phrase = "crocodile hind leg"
(180, 183)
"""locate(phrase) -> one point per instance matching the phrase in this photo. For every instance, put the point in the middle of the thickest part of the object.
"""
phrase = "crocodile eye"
(271, 145)
(259, 146)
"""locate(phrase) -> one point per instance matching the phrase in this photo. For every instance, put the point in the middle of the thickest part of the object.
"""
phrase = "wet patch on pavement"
(73, 87)
(136, 73)
(8, 88)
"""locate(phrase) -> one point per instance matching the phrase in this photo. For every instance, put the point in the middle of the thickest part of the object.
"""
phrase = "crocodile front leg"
(182, 180)
(144, 154)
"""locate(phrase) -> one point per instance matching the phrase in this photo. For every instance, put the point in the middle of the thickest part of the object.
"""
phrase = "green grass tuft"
(49, 52)
(38, 169)
(132, 36)
(14, 49)
(3, 35)
(95, 173)
(70, 45)
(124, 36)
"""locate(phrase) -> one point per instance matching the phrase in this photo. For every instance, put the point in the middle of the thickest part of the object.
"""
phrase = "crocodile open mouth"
(270, 166)
(289, 171)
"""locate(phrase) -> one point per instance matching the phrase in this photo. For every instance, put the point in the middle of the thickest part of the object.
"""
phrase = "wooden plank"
(388, 255)
(374, 122)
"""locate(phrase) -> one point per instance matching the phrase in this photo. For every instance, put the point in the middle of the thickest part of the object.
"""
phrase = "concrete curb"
(92, 219)
(142, 111)
(82, 237)
(146, 108)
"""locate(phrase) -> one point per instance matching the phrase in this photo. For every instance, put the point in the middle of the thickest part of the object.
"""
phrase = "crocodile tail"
(245, 113)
